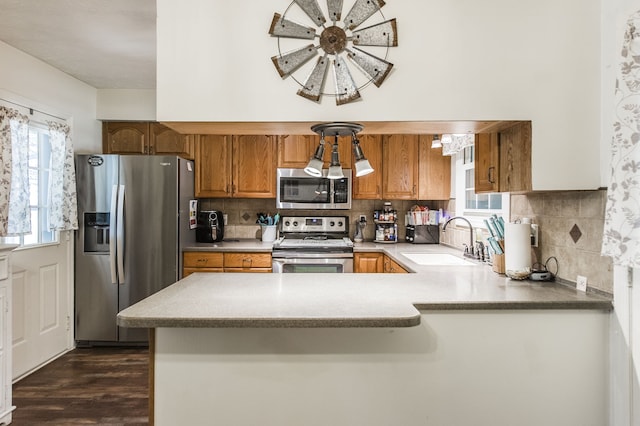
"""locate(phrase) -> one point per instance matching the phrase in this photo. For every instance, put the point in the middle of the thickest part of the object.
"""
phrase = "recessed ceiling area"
(106, 44)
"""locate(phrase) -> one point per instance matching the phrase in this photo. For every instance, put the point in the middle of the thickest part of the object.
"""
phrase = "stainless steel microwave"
(298, 190)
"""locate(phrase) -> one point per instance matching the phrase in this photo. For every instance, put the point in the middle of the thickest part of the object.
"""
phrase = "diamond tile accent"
(246, 216)
(575, 233)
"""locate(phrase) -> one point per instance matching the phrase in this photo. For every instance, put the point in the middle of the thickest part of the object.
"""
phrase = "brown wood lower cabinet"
(247, 262)
(368, 262)
(393, 267)
(198, 261)
(376, 263)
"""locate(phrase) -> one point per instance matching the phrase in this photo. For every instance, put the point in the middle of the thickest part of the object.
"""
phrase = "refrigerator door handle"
(120, 236)
(112, 234)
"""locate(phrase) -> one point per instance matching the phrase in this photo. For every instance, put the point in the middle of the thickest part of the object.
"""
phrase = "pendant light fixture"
(314, 168)
(363, 167)
(335, 169)
(436, 143)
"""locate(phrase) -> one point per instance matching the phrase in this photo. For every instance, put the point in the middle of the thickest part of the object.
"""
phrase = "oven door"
(317, 262)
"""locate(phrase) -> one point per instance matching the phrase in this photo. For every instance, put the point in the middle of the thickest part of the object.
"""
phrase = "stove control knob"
(295, 223)
(340, 224)
(287, 223)
(332, 224)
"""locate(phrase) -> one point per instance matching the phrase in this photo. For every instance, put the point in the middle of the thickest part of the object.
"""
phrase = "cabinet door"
(294, 151)
(434, 172)
(165, 141)
(368, 262)
(254, 166)
(400, 170)
(487, 165)
(213, 166)
(515, 158)
(369, 187)
(393, 267)
(125, 137)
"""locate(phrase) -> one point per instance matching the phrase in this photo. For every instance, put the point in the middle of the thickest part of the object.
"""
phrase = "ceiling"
(108, 44)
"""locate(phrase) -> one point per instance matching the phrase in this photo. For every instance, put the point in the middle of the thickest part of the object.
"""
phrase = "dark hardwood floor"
(88, 386)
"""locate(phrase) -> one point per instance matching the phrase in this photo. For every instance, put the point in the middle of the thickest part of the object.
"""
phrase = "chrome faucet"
(468, 250)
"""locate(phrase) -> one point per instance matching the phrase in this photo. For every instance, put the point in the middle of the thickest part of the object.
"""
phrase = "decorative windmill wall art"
(331, 41)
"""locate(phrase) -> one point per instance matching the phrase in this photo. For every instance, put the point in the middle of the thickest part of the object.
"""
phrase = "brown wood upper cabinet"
(369, 187)
(241, 166)
(400, 167)
(295, 151)
(143, 137)
(434, 176)
(503, 160)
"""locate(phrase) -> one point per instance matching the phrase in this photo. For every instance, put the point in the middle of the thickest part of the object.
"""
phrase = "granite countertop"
(344, 300)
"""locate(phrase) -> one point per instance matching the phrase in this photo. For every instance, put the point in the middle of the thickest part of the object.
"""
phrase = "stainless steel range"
(313, 244)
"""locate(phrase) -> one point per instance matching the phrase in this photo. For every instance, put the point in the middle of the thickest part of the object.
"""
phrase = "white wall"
(456, 60)
(33, 83)
(126, 104)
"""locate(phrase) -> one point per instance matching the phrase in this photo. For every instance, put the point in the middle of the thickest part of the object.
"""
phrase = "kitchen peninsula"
(446, 345)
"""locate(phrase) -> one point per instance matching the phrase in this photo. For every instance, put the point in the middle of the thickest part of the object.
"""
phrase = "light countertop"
(344, 300)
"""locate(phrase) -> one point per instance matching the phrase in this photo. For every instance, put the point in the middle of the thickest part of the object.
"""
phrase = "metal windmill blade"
(312, 88)
(281, 27)
(312, 9)
(335, 9)
(361, 10)
(346, 89)
(291, 61)
(377, 69)
(382, 34)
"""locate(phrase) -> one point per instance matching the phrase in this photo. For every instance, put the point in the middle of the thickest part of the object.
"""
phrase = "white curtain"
(622, 216)
(15, 217)
(63, 212)
(452, 144)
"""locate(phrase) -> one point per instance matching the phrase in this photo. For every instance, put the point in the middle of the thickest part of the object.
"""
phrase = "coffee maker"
(210, 226)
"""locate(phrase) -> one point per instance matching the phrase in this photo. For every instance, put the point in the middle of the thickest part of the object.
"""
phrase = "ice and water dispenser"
(96, 232)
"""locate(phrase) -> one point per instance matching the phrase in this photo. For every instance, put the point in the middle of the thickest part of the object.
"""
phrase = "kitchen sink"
(437, 259)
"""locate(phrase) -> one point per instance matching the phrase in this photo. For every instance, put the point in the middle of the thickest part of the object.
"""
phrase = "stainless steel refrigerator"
(133, 213)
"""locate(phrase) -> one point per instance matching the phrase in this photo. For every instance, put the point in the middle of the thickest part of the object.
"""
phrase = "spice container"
(386, 225)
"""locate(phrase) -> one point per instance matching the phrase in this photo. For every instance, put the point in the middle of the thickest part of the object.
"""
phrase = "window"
(39, 172)
(475, 207)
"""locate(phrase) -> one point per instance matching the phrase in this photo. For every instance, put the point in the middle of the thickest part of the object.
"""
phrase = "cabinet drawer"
(247, 260)
(198, 259)
(252, 270)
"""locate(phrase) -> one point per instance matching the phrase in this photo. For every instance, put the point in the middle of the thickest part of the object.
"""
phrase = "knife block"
(498, 263)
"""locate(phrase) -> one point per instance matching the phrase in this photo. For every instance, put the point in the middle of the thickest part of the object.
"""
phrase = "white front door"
(42, 304)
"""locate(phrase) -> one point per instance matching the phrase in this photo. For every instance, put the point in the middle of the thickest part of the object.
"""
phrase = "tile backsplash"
(242, 217)
(571, 225)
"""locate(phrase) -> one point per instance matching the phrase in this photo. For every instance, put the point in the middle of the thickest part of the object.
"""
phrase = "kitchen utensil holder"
(269, 233)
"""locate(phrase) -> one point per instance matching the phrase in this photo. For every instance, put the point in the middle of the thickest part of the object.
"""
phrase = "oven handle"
(302, 255)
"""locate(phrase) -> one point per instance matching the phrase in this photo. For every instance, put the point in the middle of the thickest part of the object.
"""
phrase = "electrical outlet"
(362, 218)
(581, 283)
(225, 219)
(535, 228)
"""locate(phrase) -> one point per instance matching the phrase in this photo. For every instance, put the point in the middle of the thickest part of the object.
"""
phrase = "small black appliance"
(210, 226)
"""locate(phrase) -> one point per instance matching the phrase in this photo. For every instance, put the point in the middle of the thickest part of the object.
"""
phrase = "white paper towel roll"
(517, 250)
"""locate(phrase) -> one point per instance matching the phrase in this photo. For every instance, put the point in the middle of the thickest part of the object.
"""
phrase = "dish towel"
(621, 238)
